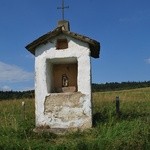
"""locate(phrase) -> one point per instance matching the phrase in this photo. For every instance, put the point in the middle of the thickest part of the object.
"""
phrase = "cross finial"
(63, 8)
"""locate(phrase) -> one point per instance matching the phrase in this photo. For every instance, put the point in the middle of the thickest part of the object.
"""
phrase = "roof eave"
(93, 45)
(43, 39)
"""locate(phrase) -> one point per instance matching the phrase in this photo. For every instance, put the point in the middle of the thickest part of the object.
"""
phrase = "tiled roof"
(94, 45)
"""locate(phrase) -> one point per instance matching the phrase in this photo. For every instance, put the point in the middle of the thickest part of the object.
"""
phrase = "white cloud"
(12, 73)
(147, 61)
(5, 88)
(27, 89)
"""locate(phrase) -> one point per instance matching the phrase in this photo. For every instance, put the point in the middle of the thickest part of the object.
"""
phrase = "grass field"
(130, 131)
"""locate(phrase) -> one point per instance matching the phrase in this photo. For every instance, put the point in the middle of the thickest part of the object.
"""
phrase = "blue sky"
(121, 26)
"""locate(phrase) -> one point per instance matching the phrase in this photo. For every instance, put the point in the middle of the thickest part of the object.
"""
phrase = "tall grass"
(130, 131)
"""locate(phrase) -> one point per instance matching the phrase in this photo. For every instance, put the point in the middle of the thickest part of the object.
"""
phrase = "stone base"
(65, 112)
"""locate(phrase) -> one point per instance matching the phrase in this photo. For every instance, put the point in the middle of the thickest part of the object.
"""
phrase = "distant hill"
(10, 95)
(115, 86)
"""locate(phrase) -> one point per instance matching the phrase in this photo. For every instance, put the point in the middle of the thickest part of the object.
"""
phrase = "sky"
(121, 26)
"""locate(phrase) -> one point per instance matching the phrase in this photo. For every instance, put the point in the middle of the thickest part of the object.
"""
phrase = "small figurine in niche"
(65, 81)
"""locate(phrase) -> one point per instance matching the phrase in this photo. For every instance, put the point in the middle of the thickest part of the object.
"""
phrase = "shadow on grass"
(99, 118)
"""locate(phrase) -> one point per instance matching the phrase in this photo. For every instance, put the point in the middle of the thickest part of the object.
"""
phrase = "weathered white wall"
(45, 56)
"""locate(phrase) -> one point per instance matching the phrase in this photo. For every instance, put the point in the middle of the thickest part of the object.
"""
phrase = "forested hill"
(10, 95)
(113, 86)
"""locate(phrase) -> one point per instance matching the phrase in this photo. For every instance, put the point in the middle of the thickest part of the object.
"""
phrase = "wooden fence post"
(117, 106)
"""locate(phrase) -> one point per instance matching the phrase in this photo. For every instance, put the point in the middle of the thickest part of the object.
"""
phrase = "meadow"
(130, 130)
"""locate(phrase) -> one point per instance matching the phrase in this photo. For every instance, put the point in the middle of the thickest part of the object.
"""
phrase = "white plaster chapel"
(63, 98)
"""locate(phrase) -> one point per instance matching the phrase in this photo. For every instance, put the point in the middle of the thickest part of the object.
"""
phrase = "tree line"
(11, 95)
(102, 87)
(115, 86)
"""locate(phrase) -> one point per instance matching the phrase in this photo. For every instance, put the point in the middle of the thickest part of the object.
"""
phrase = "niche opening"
(62, 75)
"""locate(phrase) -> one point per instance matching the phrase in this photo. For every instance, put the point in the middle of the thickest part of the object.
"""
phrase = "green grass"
(129, 131)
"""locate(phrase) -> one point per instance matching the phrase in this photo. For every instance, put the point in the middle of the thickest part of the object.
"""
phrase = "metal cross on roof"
(63, 8)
